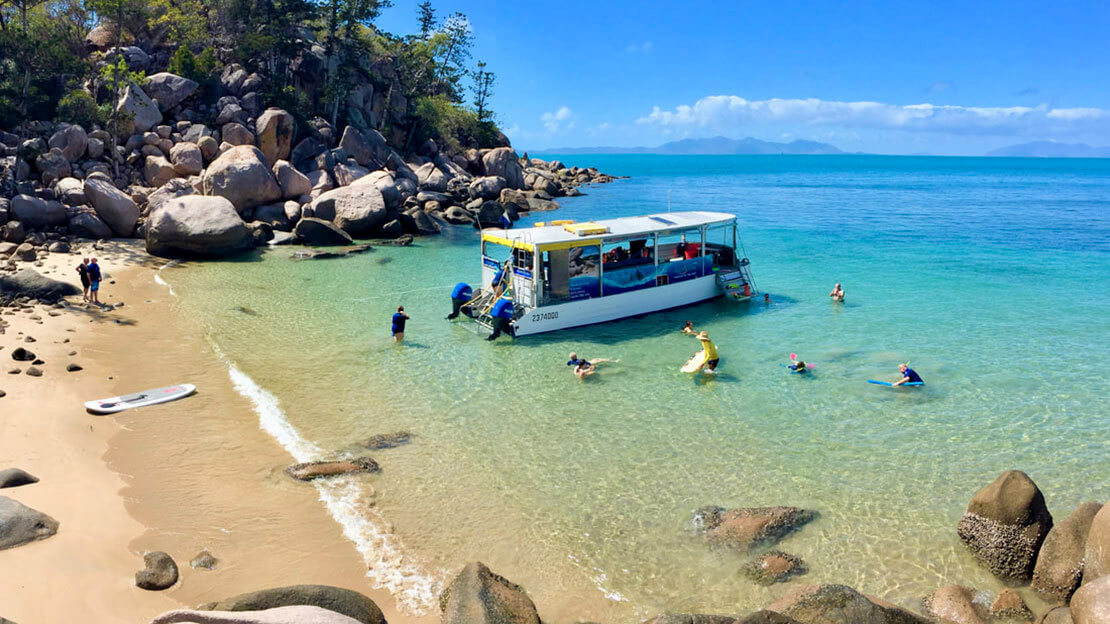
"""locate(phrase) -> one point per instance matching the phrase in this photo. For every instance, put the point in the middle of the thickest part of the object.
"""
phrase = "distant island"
(1052, 149)
(715, 145)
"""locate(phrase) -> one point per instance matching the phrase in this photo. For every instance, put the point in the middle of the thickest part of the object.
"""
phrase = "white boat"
(563, 274)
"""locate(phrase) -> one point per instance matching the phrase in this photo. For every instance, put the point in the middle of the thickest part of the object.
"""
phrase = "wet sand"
(180, 477)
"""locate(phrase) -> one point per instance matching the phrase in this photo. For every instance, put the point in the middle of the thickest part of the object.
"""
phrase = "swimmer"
(837, 293)
(908, 376)
(584, 368)
(688, 328)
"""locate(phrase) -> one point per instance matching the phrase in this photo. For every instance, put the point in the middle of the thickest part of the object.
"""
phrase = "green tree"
(347, 24)
(117, 78)
(35, 62)
(426, 16)
(483, 90)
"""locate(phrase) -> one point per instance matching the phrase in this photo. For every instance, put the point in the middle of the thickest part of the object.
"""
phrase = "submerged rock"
(774, 567)
(308, 471)
(345, 601)
(204, 560)
(746, 527)
(955, 604)
(160, 572)
(20, 524)
(478, 596)
(1005, 524)
(387, 440)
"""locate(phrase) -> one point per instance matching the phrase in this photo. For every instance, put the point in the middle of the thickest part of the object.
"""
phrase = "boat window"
(680, 245)
(522, 259)
(680, 257)
(718, 245)
(496, 252)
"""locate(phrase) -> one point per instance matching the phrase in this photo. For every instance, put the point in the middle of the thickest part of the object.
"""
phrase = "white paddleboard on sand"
(140, 399)
(695, 363)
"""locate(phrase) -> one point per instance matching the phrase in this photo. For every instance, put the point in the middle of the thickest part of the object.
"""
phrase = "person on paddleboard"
(711, 356)
(398, 328)
(908, 376)
(584, 368)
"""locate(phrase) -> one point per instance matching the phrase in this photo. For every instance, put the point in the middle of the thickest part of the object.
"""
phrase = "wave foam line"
(158, 278)
(414, 589)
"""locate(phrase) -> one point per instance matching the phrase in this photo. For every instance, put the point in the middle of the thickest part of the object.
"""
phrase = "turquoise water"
(989, 275)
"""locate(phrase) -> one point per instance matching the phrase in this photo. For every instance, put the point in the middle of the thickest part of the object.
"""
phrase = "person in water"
(837, 293)
(584, 368)
(83, 273)
(688, 328)
(711, 356)
(398, 328)
(908, 376)
(800, 366)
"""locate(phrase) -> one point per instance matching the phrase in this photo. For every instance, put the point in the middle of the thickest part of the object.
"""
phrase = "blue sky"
(900, 78)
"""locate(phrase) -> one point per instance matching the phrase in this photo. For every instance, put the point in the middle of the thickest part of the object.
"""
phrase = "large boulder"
(296, 614)
(346, 173)
(52, 165)
(34, 212)
(1096, 562)
(112, 205)
(691, 618)
(70, 191)
(71, 140)
(1057, 615)
(1091, 603)
(369, 149)
(160, 572)
(169, 89)
(140, 113)
(488, 187)
(292, 183)
(86, 224)
(430, 178)
(20, 524)
(383, 180)
(195, 132)
(276, 215)
(1005, 524)
(232, 78)
(320, 233)
(196, 225)
(503, 162)
(478, 596)
(241, 175)
(177, 187)
(157, 171)
(1059, 567)
(235, 133)
(839, 604)
(187, 159)
(29, 283)
(955, 604)
(345, 601)
(276, 129)
(748, 527)
(357, 210)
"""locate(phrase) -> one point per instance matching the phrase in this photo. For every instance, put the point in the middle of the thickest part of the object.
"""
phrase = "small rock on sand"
(19, 354)
(160, 572)
(387, 440)
(315, 470)
(204, 560)
(34, 371)
(13, 477)
(15, 371)
(73, 368)
(20, 524)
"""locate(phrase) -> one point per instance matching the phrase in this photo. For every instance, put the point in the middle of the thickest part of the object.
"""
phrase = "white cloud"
(729, 111)
(557, 120)
(603, 125)
(639, 48)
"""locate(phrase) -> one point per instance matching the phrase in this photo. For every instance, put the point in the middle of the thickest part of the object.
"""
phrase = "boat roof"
(623, 227)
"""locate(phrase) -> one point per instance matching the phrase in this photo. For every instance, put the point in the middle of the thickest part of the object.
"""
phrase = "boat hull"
(613, 307)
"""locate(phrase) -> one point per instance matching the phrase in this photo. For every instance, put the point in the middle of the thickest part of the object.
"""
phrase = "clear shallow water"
(989, 275)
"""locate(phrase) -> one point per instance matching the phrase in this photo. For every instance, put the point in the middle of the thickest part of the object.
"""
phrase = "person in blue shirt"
(399, 324)
(584, 368)
(94, 281)
(908, 376)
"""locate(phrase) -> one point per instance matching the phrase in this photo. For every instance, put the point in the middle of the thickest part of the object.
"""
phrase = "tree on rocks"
(1005, 524)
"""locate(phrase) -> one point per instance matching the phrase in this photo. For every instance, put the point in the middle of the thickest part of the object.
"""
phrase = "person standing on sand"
(399, 324)
(83, 273)
(837, 293)
(94, 281)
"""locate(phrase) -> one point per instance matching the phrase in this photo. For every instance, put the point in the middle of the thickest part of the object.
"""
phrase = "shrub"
(80, 108)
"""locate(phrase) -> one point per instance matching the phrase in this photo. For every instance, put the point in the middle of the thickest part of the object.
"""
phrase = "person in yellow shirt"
(711, 356)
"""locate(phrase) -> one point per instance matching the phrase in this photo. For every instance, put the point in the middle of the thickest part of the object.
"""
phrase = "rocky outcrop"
(298, 614)
(292, 183)
(1096, 561)
(37, 213)
(774, 567)
(29, 283)
(478, 596)
(349, 603)
(168, 89)
(160, 572)
(839, 604)
(1059, 566)
(1005, 524)
(241, 176)
(955, 604)
(503, 163)
(488, 187)
(747, 527)
(15, 477)
(317, 232)
(1091, 603)
(357, 210)
(276, 129)
(308, 471)
(139, 112)
(20, 524)
(368, 149)
(113, 206)
(195, 225)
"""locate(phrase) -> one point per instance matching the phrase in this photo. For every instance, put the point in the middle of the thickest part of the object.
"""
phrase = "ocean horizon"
(987, 274)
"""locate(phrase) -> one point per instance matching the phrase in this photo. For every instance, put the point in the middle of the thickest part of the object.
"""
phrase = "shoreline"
(115, 500)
